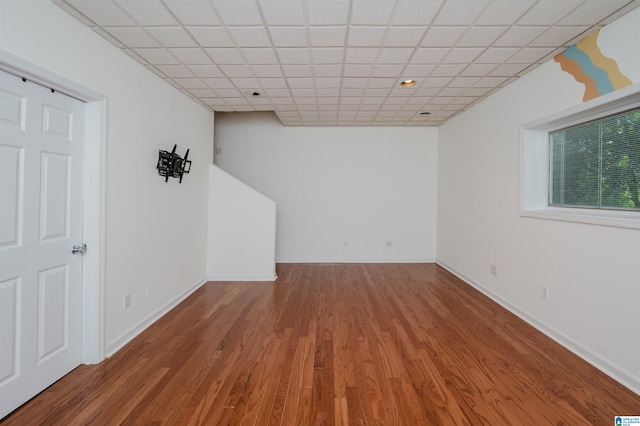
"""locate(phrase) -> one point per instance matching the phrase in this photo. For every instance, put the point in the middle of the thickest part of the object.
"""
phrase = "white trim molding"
(120, 342)
(612, 370)
(534, 161)
(94, 207)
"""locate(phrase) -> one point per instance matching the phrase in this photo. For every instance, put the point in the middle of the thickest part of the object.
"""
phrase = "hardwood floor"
(343, 344)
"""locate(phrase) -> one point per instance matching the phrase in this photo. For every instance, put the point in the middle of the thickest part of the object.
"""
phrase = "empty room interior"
(319, 212)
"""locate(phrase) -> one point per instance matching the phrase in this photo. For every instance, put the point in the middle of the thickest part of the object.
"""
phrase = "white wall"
(591, 271)
(155, 230)
(361, 185)
(242, 231)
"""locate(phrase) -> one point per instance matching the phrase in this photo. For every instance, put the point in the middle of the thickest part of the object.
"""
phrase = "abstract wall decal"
(586, 63)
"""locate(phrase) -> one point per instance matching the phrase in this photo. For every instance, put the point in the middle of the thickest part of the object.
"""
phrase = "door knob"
(82, 249)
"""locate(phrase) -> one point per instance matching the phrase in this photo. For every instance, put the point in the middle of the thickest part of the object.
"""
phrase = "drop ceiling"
(341, 62)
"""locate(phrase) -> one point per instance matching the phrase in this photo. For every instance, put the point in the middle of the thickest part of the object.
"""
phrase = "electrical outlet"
(388, 243)
(544, 292)
(127, 301)
(494, 270)
(149, 288)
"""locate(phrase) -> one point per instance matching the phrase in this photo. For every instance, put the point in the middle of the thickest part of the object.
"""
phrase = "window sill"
(618, 219)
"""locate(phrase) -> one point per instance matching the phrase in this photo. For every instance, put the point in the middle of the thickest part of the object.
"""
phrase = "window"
(597, 164)
(583, 164)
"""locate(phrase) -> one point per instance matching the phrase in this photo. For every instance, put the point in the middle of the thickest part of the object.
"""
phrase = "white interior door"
(41, 159)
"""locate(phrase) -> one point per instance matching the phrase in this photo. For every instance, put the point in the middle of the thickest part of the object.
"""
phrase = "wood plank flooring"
(336, 344)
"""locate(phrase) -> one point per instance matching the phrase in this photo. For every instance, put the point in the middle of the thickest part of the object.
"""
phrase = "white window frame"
(534, 161)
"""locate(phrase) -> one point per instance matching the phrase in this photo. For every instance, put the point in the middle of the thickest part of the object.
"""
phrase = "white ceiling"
(340, 62)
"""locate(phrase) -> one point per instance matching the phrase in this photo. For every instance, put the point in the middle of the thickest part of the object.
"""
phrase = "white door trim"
(93, 283)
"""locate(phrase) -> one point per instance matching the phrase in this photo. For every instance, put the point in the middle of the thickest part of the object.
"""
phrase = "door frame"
(94, 197)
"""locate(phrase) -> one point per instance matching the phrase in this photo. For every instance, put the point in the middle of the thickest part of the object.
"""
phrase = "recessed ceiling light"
(408, 83)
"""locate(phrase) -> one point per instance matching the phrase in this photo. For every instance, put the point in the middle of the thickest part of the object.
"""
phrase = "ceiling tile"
(436, 82)
(394, 55)
(478, 70)
(442, 36)
(206, 70)
(238, 12)
(429, 55)
(157, 56)
(267, 71)
(174, 71)
(193, 12)
(504, 12)
(202, 93)
(387, 70)
(559, 36)
(273, 83)
(228, 94)
(354, 82)
(519, 36)
(172, 36)
(281, 12)
(357, 70)
(451, 91)
(136, 56)
(448, 70)
(490, 81)
(507, 70)
(382, 83)
(476, 91)
(102, 12)
(481, 36)
(415, 12)
(496, 55)
(328, 83)
(464, 82)
(328, 36)
(367, 12)
(278, 93)
(361, 55)
(548, 12)
(295, 70)
(403, 36)
(328, 70)
(236, 70)
(250, 36)
(327, 55)
(462, 55)
(111, 39)
(246, 83)
(226, 55)
(418, 70)
(190, 83)
(301, 57)
(460, 12)
(260, 55)
(289, 36)
(133, 37)
(293, 55)
(191, 56)
(365, 36)
(148, 12)
(529, 55)
(211, 36)
(328, 12)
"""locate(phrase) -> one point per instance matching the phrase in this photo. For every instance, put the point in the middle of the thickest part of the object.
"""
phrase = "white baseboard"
(614, 371)
(119, 343)
(242, 278)
(357, 260)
